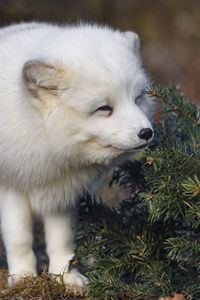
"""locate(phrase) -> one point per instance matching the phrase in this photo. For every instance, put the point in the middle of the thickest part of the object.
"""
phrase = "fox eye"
(105, 108)
(138, 100)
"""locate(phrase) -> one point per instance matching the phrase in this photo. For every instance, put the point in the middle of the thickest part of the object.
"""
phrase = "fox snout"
(145, 134)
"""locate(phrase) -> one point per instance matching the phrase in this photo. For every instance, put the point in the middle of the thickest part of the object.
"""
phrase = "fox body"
(71, 102)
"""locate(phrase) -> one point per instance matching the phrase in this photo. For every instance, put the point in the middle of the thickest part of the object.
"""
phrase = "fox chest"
(59, 195)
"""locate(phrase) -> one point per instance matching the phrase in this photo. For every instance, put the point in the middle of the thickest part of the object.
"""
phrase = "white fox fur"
(55, 137)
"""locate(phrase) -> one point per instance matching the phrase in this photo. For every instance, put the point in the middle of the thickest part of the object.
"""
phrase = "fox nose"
(145, 134)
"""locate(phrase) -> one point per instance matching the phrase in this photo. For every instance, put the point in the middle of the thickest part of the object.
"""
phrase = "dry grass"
(43, 287)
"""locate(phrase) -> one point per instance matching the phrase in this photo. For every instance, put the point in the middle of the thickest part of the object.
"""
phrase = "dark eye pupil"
(105, 108)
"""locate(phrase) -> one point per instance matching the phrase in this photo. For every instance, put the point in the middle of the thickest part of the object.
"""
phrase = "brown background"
(169, 29)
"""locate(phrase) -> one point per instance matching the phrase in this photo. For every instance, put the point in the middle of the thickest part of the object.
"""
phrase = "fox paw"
(19, 277)
(75, 281)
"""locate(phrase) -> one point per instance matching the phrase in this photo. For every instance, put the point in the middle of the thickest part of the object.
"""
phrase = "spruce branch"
(192, 186)
(172, 97)
(185, 249)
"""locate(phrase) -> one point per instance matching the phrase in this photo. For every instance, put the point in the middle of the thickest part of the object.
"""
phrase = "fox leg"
(59, 232)
(16, 225)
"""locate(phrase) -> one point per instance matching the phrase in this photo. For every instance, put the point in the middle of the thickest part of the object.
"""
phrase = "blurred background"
(169, 30)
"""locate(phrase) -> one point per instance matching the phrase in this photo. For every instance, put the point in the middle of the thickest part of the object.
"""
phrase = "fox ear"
(133, 40)
(39, 75)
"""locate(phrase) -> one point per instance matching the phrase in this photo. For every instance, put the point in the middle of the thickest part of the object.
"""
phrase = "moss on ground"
(35, 288)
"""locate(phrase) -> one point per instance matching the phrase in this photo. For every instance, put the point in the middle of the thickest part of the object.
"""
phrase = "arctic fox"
(71, 102)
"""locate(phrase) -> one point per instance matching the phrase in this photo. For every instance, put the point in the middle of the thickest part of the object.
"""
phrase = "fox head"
(91, 96)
